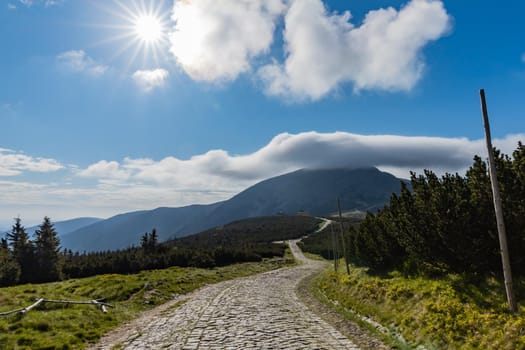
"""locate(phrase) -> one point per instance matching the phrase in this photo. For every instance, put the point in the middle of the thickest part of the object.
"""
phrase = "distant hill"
(266, 229)
(124, 230)
(313, 192)
(67, 226)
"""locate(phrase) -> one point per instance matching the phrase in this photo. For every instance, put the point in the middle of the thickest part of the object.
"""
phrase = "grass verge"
(57, 326)
(451, 312)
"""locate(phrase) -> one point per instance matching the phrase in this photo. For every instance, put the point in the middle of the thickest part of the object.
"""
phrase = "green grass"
(452, 312)
(58, 326)
(314, 257)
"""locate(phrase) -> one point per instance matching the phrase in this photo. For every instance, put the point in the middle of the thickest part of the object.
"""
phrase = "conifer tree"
(153, 240)
(144, 241)
(9, 268)
(149, 241)
(47, 252)
(22, 250)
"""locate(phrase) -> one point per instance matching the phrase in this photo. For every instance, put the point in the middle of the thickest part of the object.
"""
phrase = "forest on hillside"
(24, 259)
(442, 224)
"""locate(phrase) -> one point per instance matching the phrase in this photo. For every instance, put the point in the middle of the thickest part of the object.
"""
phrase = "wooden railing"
(100, 304)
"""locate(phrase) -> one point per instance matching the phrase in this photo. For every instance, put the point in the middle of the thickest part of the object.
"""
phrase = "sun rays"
(138, 30)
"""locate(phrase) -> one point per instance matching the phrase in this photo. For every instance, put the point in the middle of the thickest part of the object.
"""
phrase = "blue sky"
(100, 115)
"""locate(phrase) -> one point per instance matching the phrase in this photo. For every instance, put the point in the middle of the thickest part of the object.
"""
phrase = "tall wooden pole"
(342, 235)
(334, 247)
(507, 273)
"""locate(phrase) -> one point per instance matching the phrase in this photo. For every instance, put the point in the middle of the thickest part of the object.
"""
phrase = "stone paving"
(255, 312)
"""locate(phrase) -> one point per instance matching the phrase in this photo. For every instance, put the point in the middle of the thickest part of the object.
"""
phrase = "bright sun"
(141, 26)
(148, 28)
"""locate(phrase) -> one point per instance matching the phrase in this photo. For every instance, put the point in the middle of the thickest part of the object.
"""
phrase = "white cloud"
(104, 169)
(46, 3)
(79, 62)
(148, 80)
(215, 40)
(218, 40)
(131, 184)
(52, 2)
(13, 163)
(217, 169)
(325, 50)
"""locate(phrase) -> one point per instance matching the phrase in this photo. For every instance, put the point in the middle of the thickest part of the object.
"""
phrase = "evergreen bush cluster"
(447, 223)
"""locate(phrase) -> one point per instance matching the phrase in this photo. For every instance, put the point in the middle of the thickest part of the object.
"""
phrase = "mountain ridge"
(65, 227)
(314, 191)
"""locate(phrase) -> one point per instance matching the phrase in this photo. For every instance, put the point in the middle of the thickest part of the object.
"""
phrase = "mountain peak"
(314, 191)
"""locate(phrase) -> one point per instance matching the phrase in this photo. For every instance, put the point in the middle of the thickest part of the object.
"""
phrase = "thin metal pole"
(342, 235)
(507, 273)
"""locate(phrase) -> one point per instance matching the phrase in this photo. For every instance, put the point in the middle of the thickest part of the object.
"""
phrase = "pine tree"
(9, 268)
(22, 251)
(149, 241)
(153, 240)
(47, 252)
(517, 206)
(144, 241)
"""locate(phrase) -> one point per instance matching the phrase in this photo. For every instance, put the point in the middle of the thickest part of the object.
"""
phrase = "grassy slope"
(264, 229)
(55, 326)
(444, 313)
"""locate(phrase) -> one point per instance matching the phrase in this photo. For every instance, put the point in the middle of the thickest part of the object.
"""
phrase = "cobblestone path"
(255, 312)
